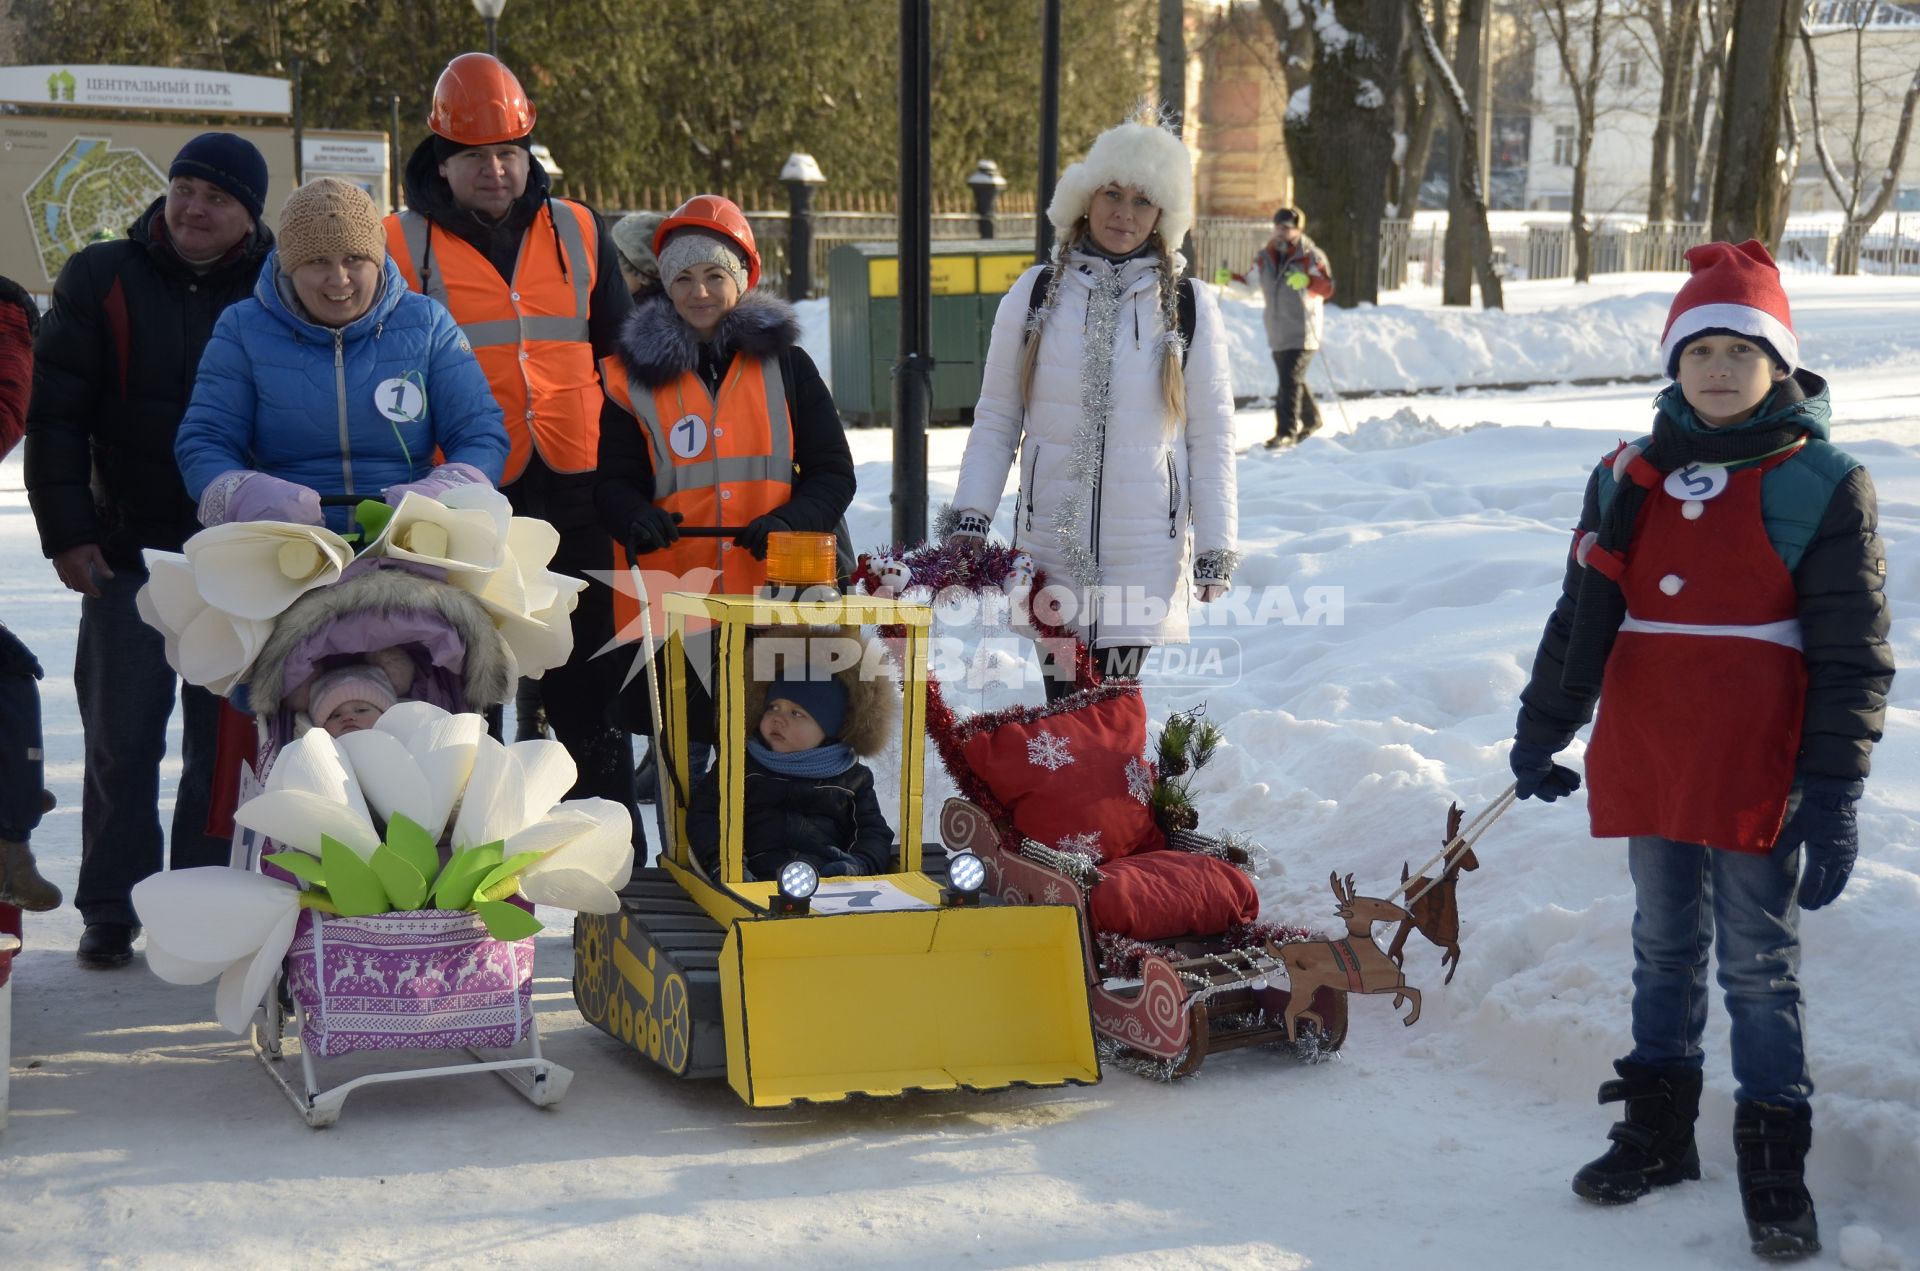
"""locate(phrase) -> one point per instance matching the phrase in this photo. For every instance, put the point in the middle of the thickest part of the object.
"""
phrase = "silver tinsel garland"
(1073, 519)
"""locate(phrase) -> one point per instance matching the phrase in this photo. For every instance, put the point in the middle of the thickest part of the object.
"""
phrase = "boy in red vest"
(1724, 595)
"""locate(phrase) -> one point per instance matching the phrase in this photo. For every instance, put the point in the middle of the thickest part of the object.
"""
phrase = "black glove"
(651, 529)
(844, 865)
(1825, 822)
(753, 535)
(1537, 776)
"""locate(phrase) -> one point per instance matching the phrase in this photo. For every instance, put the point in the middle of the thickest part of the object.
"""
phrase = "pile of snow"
(1550, 333)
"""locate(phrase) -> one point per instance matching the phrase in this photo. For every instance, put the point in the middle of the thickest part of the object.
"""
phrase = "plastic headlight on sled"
(966, 874)
(798, 881)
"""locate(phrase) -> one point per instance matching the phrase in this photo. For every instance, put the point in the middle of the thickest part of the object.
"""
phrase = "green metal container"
(863, 309)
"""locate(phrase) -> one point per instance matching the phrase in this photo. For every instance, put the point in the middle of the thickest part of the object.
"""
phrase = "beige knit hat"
(329, 217)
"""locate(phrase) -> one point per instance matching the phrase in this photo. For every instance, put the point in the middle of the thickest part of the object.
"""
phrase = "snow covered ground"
(144, 1136)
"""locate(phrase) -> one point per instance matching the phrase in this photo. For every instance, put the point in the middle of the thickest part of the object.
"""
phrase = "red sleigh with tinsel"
(1062, 807)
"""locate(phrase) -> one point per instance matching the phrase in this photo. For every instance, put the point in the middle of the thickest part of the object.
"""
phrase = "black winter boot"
(1653, 1147)
(1770, 1151)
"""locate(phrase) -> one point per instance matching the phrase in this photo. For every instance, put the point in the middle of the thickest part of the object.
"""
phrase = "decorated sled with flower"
(382, 893)
(1064, 805)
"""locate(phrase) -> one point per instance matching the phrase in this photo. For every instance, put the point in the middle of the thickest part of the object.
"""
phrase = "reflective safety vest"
(716, 461)
(530, 334)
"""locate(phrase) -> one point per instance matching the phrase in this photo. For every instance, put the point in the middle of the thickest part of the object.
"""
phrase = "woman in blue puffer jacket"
(334, 378)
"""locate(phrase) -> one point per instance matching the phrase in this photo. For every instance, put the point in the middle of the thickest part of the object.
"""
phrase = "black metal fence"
(1411, 254)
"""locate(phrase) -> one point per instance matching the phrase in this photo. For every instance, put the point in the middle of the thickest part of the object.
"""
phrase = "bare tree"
(1424, 108)
(1466, 167)
(1675, 28)
(1745, 180)
(1462, 242)
(1584, 67)
(1698, 154)
(1340, 131)
(1852, 189)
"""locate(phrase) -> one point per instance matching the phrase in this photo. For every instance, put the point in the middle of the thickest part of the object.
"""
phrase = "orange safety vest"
(530, 334)
(716, 461)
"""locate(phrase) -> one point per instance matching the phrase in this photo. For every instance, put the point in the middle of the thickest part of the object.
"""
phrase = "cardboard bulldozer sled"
(801, 989)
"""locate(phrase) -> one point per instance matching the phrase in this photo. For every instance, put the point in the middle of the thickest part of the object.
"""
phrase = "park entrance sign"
(145, 88)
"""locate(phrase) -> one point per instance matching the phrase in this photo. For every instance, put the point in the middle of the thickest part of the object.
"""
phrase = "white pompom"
(1672, 584)
(1693, 509)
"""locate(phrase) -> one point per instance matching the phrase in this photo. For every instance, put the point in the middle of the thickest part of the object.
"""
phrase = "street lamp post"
(489, 11)
(800, 175)
(986, 184)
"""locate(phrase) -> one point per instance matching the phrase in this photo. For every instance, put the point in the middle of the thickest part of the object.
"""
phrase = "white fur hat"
(1138, 153)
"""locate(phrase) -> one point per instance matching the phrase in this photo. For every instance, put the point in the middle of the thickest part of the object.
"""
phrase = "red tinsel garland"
(978, 568)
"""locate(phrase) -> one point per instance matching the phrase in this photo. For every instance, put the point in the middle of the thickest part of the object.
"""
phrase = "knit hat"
(329, 217)
(633, 239)
(1731, 291)
(230, 162)
(689, 246)
(1140, 153)
(359, 683)
(825, 700)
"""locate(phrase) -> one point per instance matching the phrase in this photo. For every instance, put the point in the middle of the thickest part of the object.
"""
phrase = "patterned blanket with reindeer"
(430, 979)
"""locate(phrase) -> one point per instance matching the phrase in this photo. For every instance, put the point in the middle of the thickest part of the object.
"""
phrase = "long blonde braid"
(1172, 346)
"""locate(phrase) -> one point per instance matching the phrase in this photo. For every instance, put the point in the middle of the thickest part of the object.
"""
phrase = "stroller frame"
(539, 1080)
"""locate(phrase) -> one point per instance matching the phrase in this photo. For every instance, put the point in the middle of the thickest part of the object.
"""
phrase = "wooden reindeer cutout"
(1434, 912)
(1352, 965)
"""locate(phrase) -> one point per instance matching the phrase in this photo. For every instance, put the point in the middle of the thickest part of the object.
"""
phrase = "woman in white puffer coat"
(1126, 494)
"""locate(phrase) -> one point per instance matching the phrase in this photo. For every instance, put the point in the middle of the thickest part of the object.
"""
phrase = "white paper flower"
(429, 532)
(255, 569)
(215, 921)
(589, 846)
(310, 795)
(207, 646)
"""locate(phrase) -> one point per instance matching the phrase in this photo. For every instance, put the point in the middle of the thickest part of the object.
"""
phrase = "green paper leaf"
(504, 879)
(505, 921)
(319, 900)
(462, 876)
(301, 865)
(403, 883)
(413, 845)
(372, 516)
(354, 886)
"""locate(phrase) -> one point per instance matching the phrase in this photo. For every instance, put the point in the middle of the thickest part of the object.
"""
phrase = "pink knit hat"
(349, 684)
(1735, 290)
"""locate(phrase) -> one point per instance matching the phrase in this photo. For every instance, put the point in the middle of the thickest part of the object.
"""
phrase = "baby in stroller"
(352, 698)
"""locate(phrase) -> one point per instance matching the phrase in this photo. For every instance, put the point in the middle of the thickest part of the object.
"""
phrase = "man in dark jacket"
(114, 366)
(535, 283)
(1295, 283)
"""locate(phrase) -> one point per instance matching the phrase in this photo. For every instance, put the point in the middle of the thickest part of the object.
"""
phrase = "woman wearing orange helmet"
(715, 417)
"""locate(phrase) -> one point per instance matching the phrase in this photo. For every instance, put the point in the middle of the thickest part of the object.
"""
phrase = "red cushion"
(1160, 895)
(1073, 774)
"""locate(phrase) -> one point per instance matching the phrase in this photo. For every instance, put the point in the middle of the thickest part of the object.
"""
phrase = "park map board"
(65, 181)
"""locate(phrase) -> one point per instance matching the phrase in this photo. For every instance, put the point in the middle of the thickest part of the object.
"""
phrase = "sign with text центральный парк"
(146, 88)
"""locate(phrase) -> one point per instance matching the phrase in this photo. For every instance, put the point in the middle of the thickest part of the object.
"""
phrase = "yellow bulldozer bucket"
(829, 1005)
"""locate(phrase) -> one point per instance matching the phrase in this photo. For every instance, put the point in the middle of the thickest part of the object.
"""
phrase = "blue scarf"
(829, 759)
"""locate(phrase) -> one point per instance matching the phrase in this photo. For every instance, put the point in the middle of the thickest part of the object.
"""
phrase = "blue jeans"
(1690, 898)
(126, 690)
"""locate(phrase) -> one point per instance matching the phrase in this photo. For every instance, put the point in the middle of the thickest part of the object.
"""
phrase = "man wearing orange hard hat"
(534, 282)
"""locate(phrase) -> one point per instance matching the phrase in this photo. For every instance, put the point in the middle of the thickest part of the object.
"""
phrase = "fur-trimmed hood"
(873, 696)
(658, 346)
(375, 609)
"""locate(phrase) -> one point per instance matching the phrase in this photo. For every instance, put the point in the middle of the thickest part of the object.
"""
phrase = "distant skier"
(1295, 281)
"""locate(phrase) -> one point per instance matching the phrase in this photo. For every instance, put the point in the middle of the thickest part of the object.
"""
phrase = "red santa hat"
(1732, 291)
